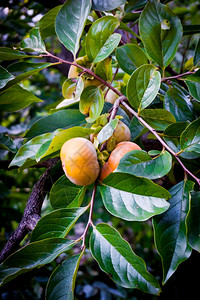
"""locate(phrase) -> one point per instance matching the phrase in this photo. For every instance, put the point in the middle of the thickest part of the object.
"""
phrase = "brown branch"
(177, 76)
(31, 213)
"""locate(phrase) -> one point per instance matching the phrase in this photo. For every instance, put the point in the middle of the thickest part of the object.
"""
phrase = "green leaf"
(175, 129)
(130, 57)
(193, 84)
(6, 143)
(131, 207)
(161, 32)
(106, 5)
(70, 23)
(60, 138)
(170, 229)
(34, 42)
(64, 193)
(11, 54)
(34, 255)
(91, 102)
(136, 185)
(190, 138)
(5, 77)
(26, 155)
(193, 222)
(100, 42)
(62, 119)
(57, 223)
(158, 118)
(143, 86)
(115, 257)
(177, 102)
(197, 54)
(16, 98)
(23, 70)
(107, 131)
(104, 69)
(47, 22)
(62, 281)
(139, 163)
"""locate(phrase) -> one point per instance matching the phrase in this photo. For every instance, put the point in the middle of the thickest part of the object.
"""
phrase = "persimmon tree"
(123, 49)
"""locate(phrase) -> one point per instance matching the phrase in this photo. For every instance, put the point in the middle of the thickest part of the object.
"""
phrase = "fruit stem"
(152, 130)
(89, 223)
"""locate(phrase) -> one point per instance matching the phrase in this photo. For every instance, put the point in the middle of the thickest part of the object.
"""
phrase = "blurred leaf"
(115, 257)
(106, 5)
(139, 163)
(11, 54)
(107, 131)
(16, 98)
(6, 143)
(64, 193)
(160, 42)
(193, 84)
(177, 102)
(170, 229)
(70, 23)
(130, 57)
(191, 29)
(131, 207)
(91, 103)
(5, 77)
(143, 86)
(62, 119)
(100, 42)
(34, 42)
(32, 256)
(46, 23)
(193, 222)
(62, 281)
(57, 223)
(197, 54)
(158, 118)
(104, 69)
(190, 137)
(132, 184)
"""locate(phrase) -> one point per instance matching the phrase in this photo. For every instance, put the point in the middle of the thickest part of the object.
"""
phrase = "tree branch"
(31, 213)
(176, 76)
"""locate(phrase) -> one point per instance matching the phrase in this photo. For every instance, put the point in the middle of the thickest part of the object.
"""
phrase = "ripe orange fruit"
(121, 133)
(79, 161)
(115, 156)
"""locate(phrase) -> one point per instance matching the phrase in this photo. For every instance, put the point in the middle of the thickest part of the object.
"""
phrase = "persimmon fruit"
(121, 133)
(79, 161)
(115, 156)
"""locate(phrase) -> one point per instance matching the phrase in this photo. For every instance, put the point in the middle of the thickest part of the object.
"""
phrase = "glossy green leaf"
(26, 155)
(177, 102)
(34, 255)
(66, 194)
(47, 22)
(23, 70)
(16, 98)
(11, 54)
(131, 207)
(130, 57)
(60, 138)
(139, 163)
(197, 54)
(193, 222)
(136, 185)
(193, 84)
(175, 130)
(100, 41)
(34, 42)
(91, 103)
(170, 229)
(106, 5)
(143, 86)
(57, 223)
(107, 131)
(5, 77)
(70, 23)
(136, 128)
(115, 257)
(161, 32)
(62, 281)
(190, 138)
(62, 119)
(158, 118)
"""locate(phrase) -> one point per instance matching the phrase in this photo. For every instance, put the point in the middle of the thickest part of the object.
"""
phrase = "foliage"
(157, 86)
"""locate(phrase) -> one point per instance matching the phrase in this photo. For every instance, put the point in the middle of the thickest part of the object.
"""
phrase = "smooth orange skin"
(79, 161)
(111, 97)
(115, 156)
(121, 133)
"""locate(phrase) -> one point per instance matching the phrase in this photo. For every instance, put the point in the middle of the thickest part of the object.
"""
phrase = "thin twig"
(176, 76)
